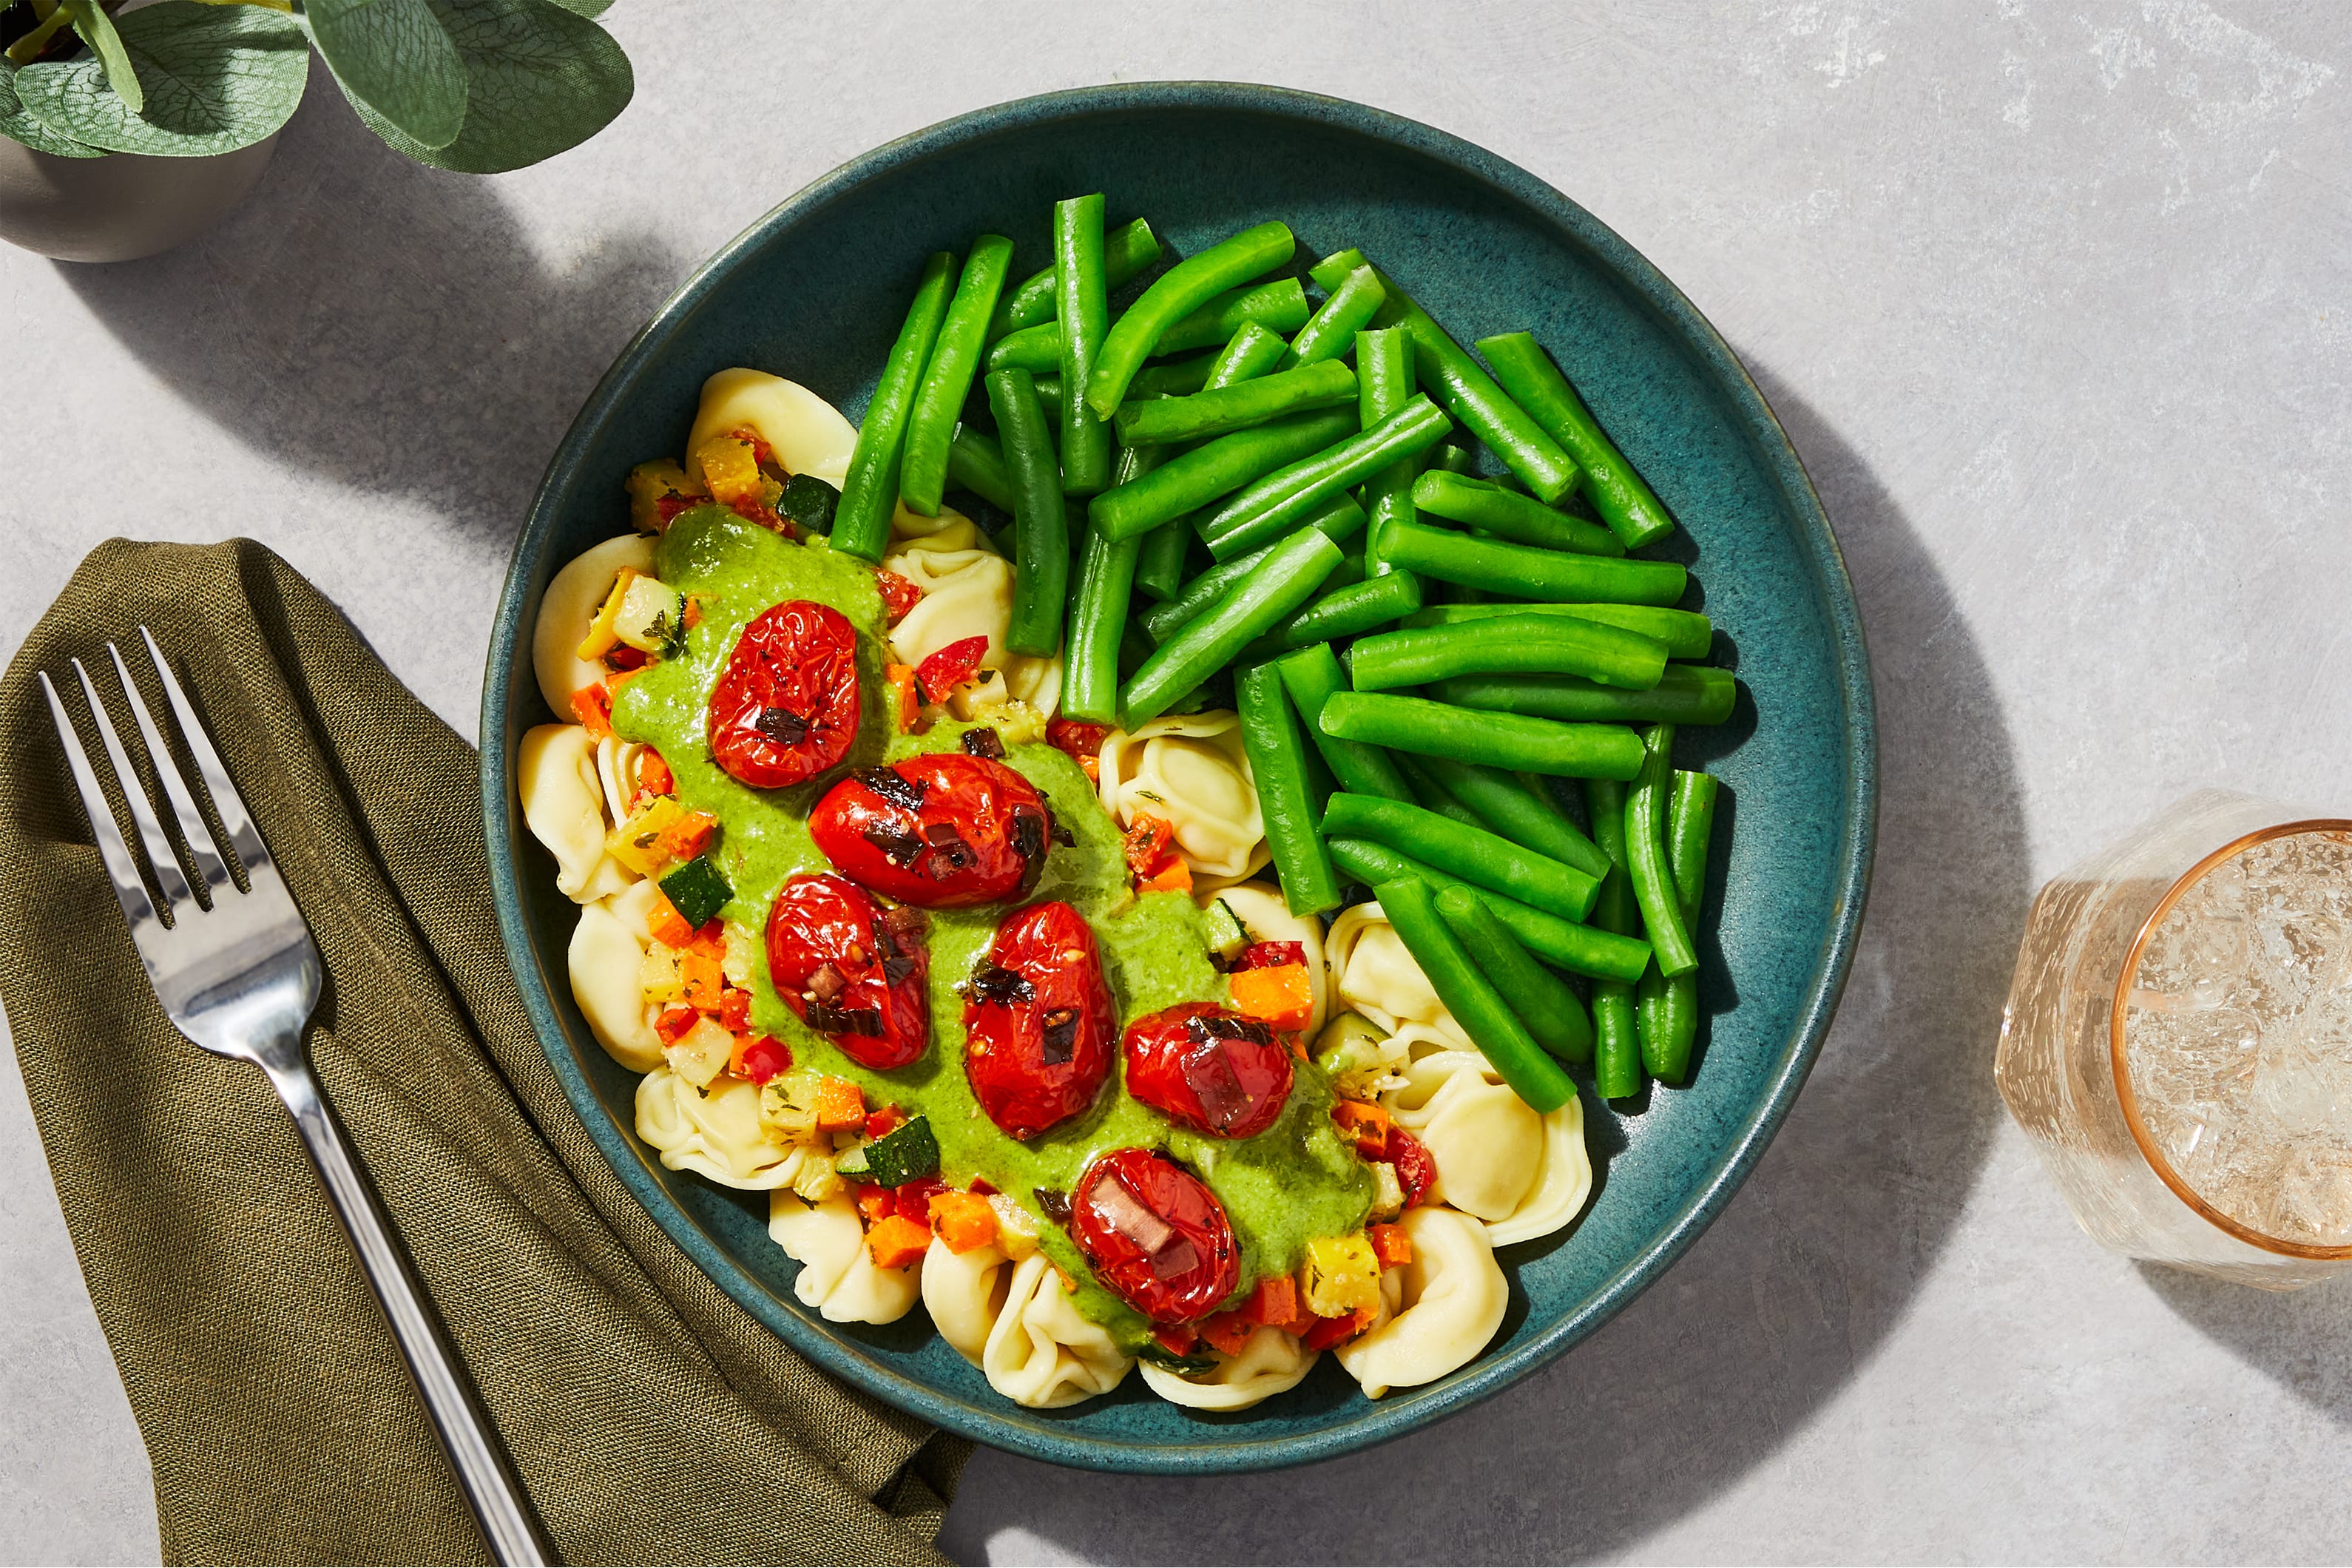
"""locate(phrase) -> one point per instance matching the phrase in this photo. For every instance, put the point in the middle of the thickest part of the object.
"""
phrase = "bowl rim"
(1219, 1448)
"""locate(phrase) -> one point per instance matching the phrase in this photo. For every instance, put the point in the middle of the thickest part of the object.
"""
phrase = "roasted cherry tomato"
(950, 667)
(785, 708)
(944, 830)
(1208, 1069)
(1155, 1235)
(853, 971)
(1038, 1021)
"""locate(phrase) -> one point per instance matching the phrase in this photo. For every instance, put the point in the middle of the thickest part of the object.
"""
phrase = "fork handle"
(491, 1486)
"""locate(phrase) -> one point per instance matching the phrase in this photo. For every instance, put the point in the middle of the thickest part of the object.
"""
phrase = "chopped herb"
(696, 890)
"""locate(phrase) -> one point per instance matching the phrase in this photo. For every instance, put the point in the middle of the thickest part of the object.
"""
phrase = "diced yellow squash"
(788, 1107)
(652, 617)
(636, 843)
(701, 1054)
(602, 634)
(659, 976)
(649, 485)
(1016, 1232)
(732, 469)
(1341, 1275)
(1387, 1193)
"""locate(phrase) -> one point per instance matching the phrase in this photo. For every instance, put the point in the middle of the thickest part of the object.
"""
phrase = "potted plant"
(122, 134)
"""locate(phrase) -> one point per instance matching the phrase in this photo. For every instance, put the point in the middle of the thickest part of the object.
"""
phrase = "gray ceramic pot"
(121, 206)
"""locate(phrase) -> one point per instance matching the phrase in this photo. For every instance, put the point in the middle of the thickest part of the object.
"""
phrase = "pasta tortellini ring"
(1522, 1174)
(564, 807)
(1372, 973)
(837, 1273)
(1449, 1301)
(1040, 1351)
(1267, 918)
(717, 1134)
(1269, 1362)
(573, 598)
(968, 593)
(1190, 769)
(809, 435)
(605, 960)
(965, 1293)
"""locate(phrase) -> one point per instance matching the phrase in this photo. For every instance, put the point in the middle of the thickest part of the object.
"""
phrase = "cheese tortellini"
(1267, 918)
(573, 598)
(564, 806)
(1372, 973)
(605, 960)
(1524, 1174)
(718, 1134)
(1191, 770)
(808, 434)
(1448, 1302)
(965, 1293)
(1269, 1362)
(967, 592)
(1040, 1351)
(837, 1273)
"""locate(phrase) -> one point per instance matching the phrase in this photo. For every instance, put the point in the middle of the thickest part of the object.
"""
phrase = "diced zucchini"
(1342, 1275)
(810, 503)
(697, 891)
(1226, 934)
(1160, 1355)
(636, 843)
(652, 617)
(903, 1154)
(701, 1054)
(851, 1164)
(601, 633)
(649, 485)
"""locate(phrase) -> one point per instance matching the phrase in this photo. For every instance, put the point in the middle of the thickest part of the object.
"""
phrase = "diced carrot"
(593, 706)
(1368, 1124)
(1391, 1245)
(691, 617)
(674, 1024)
(703, 980)
(840, 1105)
(1275, 1302)
(1228, 1331)
(710, 940)
(907, 702)
(1175, 876)
(963, 1220)
(735, 1008)
(689, 835)
(898, 1242)
(1281, 998)
(1093, 766)
(654, 776)
(1176, 1338)
(669, 927)
(875, 1203)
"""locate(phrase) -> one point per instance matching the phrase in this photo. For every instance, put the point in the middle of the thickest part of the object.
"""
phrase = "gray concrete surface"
(2057, 303)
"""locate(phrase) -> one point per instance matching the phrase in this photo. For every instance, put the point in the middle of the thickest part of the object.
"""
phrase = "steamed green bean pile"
(1424, 577)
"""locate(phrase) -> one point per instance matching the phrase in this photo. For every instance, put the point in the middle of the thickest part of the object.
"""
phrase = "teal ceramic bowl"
(814, 291)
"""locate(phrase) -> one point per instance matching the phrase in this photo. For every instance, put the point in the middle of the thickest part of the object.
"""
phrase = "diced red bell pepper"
(593, 706)
(914, 1198)
(950, 667)
(885, 1121)
(1149, 840)
(1416, 1171)
(1228, 1331)
(674, 1024)
(1176, 1338)
(1391, 1245)
(899, 597)
(1275, 1302)
(1269, 955)
(1081, 742)
(734, 1009)
(761, 1058)
(1329, 1332)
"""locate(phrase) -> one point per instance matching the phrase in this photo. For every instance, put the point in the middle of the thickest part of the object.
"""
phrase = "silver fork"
(237, 971)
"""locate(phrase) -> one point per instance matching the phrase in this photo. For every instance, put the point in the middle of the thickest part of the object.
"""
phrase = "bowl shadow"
(1808, 1270)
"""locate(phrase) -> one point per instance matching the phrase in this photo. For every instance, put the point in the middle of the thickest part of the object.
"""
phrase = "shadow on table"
(385, 325)
(2302, 1339)
(1796, 1284)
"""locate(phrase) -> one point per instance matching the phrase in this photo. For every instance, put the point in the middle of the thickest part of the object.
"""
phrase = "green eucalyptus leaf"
(586, 8)
(97, 29)
(18, 126)
(541, 79)
(395, 57)
(220, 78)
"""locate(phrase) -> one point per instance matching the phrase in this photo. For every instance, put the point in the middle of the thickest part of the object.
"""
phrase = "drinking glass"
(2179, 1040)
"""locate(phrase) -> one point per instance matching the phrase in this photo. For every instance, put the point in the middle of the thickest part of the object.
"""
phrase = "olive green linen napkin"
(651, 1418)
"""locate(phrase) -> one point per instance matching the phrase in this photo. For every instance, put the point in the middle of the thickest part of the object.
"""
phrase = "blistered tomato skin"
(1039, 1023)
(1155, 1235)
(1208, 1069)
(851, 970)
(786, 707)
(944, 830)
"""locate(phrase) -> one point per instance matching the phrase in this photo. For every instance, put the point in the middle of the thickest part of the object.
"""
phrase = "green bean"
(1685, 694)
(1500, 739)
(1383, 385)
(1431, 795)
(1280, 305)
(1645, 855)
(954, 361)
(1342, 613)
(1339, 518)
(976, 463)
(1519, 813)
(1037, 349)
(1448, 459)
(1041, 563)
(1082, 312)
(1507, 514)
(1521, 573)
(1468, 392)
(1492, 1028)
(1514, 644)
(1189, 481)
(1217, 411)
(1160, 568)
(1311, 675)
(1249, 354)
(1564, 944)
(1616, 491)
(1128, 250)
(1616, 1043)
(1271, 507)
(1277, 760)
(869, 492)
(1177, 377)
(1540, 998)
(1486, 859)
(1174, 295)
(1668, 1013)
(1277, 585)
(1098, 618)
(1329, 333)
(1686, 633)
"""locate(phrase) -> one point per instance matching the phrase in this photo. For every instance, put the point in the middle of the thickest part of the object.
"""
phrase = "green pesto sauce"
(1291, 1183)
